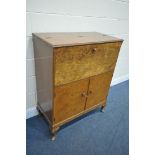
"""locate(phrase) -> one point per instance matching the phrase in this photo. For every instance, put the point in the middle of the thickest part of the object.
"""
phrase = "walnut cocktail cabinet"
(73, 73)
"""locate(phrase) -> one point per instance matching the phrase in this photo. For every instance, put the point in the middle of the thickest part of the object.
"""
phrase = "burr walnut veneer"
(73, 73)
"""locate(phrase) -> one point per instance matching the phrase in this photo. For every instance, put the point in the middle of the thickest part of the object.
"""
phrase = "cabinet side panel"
(43, 54)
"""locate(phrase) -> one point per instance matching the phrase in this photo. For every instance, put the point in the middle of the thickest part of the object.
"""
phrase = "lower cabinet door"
(98, 89)
(69, 100)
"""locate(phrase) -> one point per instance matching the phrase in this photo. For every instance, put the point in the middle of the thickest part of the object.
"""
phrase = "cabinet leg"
(103, 109)
(54, 132)
(53, 136)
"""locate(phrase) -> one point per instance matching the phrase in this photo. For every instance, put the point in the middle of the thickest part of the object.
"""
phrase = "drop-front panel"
(79, 62)
(73, 73)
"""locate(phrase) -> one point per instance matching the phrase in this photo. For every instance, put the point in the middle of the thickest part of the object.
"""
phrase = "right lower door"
(98, 89)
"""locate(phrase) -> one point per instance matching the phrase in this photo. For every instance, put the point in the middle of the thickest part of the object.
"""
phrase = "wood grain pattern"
(71, 64)
(98, 88)
(68, 100)
(79, 62)
(76, 97)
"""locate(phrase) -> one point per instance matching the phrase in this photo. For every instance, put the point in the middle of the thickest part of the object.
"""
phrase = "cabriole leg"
(53, 136)
(103, 109)
(54, 132)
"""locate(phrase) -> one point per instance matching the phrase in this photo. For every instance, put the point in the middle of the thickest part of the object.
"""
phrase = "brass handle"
(93, 50)
(84, 95)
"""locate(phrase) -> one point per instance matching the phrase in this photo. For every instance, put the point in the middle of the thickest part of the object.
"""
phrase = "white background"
(13, 78)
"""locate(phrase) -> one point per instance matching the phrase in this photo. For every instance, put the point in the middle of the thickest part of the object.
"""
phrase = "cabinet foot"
(53, 137)
(103, 109)
(54, 132)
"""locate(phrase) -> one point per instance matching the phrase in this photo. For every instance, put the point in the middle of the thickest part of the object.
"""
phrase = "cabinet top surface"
(59, 39)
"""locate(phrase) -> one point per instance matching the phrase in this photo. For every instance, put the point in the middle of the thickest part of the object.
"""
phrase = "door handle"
(84, 95)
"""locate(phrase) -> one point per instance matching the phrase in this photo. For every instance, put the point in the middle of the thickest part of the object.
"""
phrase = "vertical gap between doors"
(87, 94)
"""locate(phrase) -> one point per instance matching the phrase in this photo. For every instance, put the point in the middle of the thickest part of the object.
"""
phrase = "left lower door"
(69, 100)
